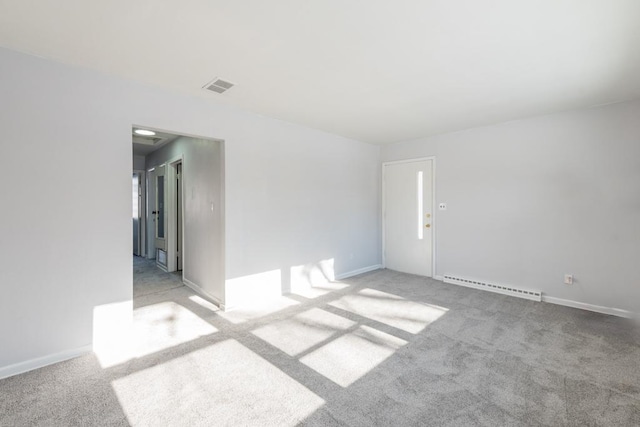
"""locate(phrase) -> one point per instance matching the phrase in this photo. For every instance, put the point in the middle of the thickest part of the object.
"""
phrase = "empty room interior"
(320, 213)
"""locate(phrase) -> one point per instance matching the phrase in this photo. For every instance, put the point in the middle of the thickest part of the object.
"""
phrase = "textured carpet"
(384, 348)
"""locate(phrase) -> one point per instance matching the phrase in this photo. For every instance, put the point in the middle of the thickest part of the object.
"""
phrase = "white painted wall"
(293, 196)
(202, 174)
(530, 200)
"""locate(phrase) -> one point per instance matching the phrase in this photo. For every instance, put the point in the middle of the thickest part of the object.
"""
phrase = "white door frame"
(161, 243)
(143, 214)
(151, 223)
(433, 210)
(172, 213)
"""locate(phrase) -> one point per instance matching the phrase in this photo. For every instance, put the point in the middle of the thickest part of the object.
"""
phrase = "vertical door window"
(160, 207)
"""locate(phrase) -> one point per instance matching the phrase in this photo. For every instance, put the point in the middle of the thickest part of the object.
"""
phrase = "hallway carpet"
(383, 348)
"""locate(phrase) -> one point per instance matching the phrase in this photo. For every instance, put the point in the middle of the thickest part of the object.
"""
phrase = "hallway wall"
(202, 173)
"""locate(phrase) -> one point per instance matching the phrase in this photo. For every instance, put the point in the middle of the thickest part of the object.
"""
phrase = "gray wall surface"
(531, 200)
(138, 162)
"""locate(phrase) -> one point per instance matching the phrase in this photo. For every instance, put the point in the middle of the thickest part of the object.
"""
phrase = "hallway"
(149, 279)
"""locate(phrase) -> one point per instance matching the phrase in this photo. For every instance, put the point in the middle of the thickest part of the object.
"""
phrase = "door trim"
(149, 196)
(143, 214)
(161, 243)
(433, 204)
(172, 212)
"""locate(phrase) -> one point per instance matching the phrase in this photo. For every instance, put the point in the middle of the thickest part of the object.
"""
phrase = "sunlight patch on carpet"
(256, 310)
(155, 328)
(349, 357)
(303, 331)
(161, 326)
(222, 383)
(391, 309)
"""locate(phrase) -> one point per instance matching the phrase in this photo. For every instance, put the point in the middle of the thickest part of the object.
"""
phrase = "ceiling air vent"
(218, 85)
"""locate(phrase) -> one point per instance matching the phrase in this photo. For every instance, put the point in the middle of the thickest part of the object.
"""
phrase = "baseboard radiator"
(493, 287)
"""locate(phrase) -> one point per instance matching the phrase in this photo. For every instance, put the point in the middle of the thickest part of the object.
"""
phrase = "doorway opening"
(178, 212)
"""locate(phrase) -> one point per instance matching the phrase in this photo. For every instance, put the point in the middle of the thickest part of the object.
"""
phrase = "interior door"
(179, 215)
(136, 202)
(151, 214)
(160, 214)
(408, 215)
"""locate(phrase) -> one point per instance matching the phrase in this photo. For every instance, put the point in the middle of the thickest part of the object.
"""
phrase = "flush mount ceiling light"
(144, 132)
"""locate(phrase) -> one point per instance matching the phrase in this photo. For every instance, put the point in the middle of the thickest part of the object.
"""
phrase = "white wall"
(296, 203)
(293, 196)
(202, 175)
(530, 200)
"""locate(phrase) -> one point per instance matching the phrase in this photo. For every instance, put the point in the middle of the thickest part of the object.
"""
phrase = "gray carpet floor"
(383, 348)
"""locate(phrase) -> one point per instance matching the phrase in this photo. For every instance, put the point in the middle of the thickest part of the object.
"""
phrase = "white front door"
(408, 216)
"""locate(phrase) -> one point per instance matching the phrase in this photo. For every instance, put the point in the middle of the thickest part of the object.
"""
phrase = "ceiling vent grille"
(218, 85)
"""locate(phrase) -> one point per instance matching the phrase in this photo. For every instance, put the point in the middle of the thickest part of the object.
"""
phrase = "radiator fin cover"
(494, 287)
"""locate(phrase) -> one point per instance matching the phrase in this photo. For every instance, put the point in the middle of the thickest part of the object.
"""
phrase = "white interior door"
(179, 216)
(137, 210)
(408, 216)
(151, 214)
(160, 214)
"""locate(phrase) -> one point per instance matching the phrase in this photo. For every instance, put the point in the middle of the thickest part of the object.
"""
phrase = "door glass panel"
(160, 207)
(135, 185)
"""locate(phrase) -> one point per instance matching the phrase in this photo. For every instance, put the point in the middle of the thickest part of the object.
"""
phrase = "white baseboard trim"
(590, 307)
(41, 362)
(581, 305)
(204, 293)
(358, 271)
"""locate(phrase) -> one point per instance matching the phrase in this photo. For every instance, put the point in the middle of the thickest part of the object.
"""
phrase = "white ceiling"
(376, 70)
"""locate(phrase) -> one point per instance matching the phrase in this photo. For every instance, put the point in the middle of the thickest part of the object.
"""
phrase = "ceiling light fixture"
(144, 132)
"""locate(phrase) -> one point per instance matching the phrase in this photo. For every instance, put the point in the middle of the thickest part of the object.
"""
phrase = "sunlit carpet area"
(383, 348)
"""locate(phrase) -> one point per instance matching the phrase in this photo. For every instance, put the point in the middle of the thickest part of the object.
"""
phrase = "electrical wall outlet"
(442, 206)
(568, 279)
